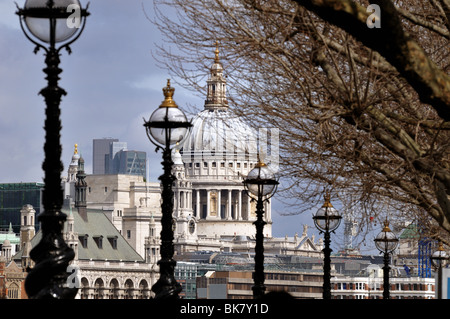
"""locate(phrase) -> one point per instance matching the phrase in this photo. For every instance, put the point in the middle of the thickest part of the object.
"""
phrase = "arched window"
(99, 287)
(129, 288)
(144, 291)
(13, 291)
(114, 289)
(84, 291)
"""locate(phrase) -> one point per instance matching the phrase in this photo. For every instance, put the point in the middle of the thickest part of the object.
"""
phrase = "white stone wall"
(115, 279)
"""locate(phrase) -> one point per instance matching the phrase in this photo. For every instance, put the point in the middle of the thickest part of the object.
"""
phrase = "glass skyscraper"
(112, 157)
(130, 162)
(100, 154)
(12, 198)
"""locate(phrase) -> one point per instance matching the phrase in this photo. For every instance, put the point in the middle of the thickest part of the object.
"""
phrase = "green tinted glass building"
(13, 196)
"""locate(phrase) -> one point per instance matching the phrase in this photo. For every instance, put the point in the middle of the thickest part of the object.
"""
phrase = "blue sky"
(112, 81)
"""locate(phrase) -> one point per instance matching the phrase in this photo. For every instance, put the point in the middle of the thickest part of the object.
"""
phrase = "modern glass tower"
(101, 151)
(12, 198)
(112, 157)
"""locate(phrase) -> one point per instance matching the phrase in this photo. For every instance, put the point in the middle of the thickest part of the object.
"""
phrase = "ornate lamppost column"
(47, 24)
(166, 127)
(260, 185)
(386, 242)
(327, 220)
(439, 259)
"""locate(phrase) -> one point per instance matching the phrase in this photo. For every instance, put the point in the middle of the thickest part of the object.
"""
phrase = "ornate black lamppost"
(51, 26)
(327, 219)
(439, 260)
(260, 185)
(386, 242)
(166, 127)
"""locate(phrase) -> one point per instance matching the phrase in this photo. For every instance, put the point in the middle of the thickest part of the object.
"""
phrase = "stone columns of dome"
(239, 210)
(219, 204)
(229, 203)
(208, 207)
(268, 212)
(189, 200)
(197, 207)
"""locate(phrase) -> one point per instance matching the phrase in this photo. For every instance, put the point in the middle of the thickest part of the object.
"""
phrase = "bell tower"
(182, 189)
(80, 190)
(216, 95)
(152, 243)
(27, 220)
(27, 232)
(70, 236)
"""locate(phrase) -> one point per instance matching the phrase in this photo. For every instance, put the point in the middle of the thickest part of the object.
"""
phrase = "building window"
(99, 241)
(205, 164)
(128, 234)
(222, 164)
(13, 291)
(113, 241)
(84, 240)
(214, 164)
(106, 189)
(197, 165)
(230, 164)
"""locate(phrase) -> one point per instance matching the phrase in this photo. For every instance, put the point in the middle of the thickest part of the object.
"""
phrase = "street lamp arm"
(20, 13)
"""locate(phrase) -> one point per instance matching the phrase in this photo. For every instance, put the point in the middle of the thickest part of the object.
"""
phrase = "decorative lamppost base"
(166, 287)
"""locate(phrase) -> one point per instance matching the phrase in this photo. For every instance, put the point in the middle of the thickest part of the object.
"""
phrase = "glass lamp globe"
(43, 17)
(327, 217)
(440, 257)
(261, 180)
(386, 241)
(167, 123)
(171, 116)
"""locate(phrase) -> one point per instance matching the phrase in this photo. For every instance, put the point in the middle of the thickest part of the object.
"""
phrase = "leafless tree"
(363, 109)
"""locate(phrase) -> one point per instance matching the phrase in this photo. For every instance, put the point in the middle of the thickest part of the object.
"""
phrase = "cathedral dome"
(221, 133)
(75, 156)
(73, 166)
(220, 150)
(216, 130)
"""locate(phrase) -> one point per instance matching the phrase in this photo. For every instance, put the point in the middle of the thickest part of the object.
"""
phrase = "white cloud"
(149, 82)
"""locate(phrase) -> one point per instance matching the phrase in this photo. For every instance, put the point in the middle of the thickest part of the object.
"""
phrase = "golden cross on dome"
(216, 59)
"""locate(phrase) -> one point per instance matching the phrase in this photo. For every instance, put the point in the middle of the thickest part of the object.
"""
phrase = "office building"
(12, 198)
(238, 284)
(112, 157)
(101, 151)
